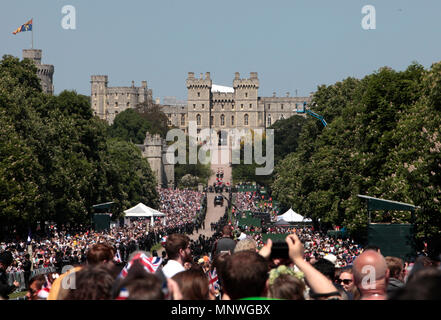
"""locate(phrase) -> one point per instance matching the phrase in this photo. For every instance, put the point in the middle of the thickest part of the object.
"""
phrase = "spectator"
(225, 244)
(322, 287)
(193, 284)
(35, 286)
(345, 278)
(99, 253)
(139, 284)
(371, 275)
(27, 265)
(424, 285)
(178, 251)
(396, 274)
(93, 282)
(244, 275)
(246, 244)
(287, 287)
(6, 260)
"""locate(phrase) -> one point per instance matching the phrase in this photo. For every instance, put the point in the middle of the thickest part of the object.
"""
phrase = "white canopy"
(291, 216)
(141, 210)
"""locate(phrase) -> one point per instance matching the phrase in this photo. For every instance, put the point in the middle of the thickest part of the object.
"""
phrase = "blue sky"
(293, 45)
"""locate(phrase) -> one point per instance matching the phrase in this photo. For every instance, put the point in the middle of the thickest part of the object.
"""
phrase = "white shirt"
(172, 267)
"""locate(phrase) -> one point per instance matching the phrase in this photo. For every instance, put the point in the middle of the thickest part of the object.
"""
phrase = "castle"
(208, 105)
(45, 72)
(107, 102)
(223, 108)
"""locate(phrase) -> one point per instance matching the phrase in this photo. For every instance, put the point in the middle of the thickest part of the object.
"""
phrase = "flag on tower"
(26, 27)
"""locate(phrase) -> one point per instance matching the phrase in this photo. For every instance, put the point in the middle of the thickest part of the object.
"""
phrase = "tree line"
(382, 140)
(57, 159)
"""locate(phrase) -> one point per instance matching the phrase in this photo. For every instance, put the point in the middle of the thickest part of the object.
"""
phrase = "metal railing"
(20, 276)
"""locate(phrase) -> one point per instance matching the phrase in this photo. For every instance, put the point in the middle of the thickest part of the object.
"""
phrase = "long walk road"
(220, 160)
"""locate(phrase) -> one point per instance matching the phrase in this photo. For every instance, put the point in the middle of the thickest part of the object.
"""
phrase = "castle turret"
(99, 96)
(246, 94)
(199, 99)
(153, 152)
(45, 72)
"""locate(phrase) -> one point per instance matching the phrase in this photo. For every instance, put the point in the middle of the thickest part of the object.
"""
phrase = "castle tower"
(45, 72)
(199, 99)
(98, 96)
(169, 168)
(153, 152)
(246, 106)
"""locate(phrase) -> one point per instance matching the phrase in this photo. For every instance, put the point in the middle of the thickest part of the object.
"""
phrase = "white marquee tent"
(292, 216)
(141, 210)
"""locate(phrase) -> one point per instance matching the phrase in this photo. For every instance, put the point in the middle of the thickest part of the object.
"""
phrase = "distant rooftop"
(217, 88)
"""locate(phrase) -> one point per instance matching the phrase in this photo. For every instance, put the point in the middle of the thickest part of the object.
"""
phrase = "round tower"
(153, 153)
(45, 72)
(98, 95)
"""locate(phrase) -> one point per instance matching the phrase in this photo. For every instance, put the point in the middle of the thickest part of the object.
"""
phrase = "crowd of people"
(180, 206)
(237, 269)
(119, 263)
(62, 246)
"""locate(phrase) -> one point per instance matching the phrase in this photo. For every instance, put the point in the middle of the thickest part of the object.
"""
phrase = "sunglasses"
(345, 281)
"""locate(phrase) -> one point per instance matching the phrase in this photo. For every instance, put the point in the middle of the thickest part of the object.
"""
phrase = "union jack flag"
(213, 280)
(150, 264)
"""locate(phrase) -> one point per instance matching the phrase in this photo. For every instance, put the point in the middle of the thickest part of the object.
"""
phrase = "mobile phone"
(279, 250)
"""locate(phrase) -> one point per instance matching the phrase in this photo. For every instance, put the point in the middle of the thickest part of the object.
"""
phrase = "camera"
(279, 250)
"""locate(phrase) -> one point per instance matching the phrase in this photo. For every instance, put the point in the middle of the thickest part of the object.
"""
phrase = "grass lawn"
(17, 294)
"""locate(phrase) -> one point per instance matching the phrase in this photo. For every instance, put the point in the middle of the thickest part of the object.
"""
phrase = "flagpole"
(32, 31)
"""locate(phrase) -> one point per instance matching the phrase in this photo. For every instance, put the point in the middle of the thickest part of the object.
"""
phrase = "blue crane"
(304, 110)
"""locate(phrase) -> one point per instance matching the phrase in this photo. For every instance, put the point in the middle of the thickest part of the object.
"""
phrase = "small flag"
(213, 280)
(26, 27)
(150, 264)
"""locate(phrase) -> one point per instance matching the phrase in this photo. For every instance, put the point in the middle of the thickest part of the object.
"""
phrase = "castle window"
(269, 120)
(116, 104)
(282, 106)
(251, 105)
(203, 106)
(241, 106)
(222, 118)
(182, 120)
(269, 107)
(222, 106)
(128, 104)
(232, 120)
(194, 106)
(199, 94)
(245, 119)
(232, 106)
(198, 119)
(246, 94)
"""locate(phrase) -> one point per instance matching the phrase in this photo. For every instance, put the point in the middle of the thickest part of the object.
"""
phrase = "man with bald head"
(371, 275)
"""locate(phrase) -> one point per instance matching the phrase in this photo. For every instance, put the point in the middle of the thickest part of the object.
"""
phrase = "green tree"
(130, 126)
